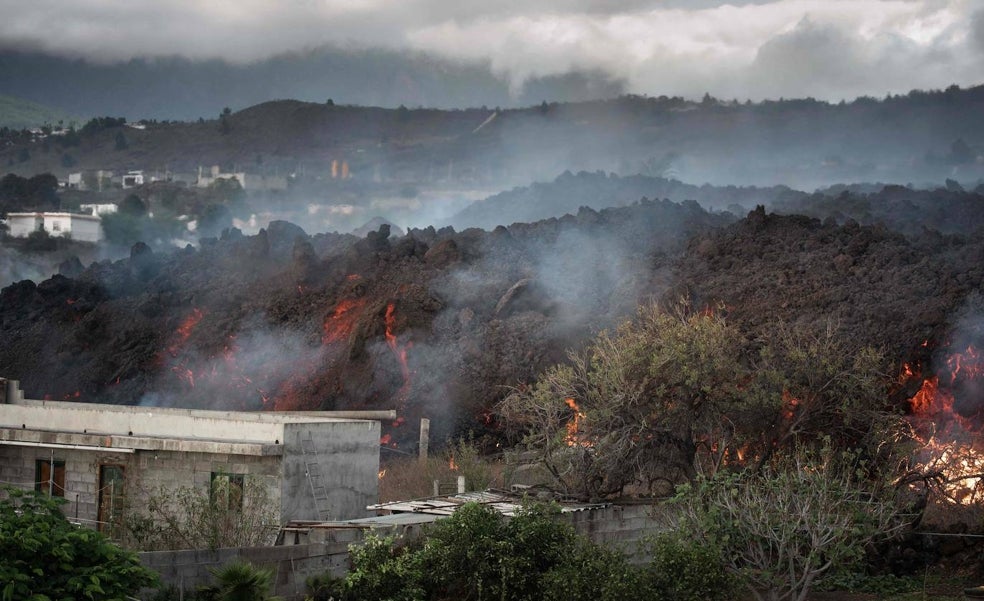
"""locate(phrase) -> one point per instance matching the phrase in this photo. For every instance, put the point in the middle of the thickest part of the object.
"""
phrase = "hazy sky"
(824, 48)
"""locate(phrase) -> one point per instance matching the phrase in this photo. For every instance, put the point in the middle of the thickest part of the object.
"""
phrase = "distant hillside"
(804, 144)
(17, 113)
(570, 192)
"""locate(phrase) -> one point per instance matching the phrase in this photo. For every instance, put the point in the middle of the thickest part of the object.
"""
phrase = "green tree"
(45, 557)
(786, 525)
(643, 404)
(132, 205)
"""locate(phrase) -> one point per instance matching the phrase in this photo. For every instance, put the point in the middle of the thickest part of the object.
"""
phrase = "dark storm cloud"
(826, 48)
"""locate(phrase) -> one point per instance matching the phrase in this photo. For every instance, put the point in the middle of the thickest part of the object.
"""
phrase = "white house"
(84, 228)
(99, 209)
(132, 179)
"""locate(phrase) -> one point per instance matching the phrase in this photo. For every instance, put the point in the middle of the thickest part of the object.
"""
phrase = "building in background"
(79, 227)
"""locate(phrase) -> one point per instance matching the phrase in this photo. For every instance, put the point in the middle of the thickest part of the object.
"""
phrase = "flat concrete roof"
(53, 214)
(119, 426)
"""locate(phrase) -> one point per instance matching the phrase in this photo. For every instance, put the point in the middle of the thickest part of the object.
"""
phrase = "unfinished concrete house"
(314, 466)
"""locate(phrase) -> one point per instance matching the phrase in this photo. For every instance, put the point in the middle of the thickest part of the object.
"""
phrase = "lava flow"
(184, 331)
(341, 323)
(400, 350)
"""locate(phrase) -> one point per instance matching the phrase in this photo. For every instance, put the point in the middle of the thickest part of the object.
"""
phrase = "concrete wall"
(21, 224)
(145, 473)
(170, 470)
(18, 467)
(291, 565)
(86, 228)
(623, 527)
(347, 454)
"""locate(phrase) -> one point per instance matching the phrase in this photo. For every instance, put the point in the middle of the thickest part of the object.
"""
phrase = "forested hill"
(922, 136)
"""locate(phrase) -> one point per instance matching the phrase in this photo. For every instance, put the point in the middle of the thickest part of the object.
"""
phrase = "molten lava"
(183, 333)
(400, 351)
(341, 323)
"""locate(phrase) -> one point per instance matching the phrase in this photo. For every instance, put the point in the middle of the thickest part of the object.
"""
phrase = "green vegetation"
(780, 447)
(46, 557)
(241, 581)
(785, 526)
(233, 512)
(34, 193)
(478, 554)
(17, 113)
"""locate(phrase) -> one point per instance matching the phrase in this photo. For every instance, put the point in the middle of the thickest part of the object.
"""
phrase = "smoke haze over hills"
(179, 60)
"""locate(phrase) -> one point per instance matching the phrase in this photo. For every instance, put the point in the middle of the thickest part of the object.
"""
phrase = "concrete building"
(314, 465)
(84, 228)
(132, 179)
(215, 173)
(99, 209)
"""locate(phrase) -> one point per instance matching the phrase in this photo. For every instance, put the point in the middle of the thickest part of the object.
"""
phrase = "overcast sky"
(829, 49)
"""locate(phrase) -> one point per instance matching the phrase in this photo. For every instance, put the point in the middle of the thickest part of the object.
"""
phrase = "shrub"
(381, 570)
(47, 557)
(683, 569)
(478, 554)
(784, 527)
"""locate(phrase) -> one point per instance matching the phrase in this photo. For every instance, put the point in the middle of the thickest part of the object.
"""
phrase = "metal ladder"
(312, 469)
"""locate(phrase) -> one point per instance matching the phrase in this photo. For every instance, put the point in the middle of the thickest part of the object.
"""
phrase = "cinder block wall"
(18, 467)
(145, 472)
(622, 527)
(292, 565)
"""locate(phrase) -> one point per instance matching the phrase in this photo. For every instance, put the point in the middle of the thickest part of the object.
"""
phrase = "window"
(47, 480)
(111, 500)
(56, 226)
(226, 491)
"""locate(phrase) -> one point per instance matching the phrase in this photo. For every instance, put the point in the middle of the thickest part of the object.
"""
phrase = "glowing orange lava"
(183, 333)
(400, 350)
(341, 323)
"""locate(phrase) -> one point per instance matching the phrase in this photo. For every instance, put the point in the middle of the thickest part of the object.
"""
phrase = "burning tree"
(678, 393)
(638, 405)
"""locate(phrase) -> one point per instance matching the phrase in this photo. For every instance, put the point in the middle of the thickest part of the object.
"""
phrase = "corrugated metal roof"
(505, 503)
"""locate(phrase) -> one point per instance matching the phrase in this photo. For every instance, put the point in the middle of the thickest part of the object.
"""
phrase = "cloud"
(742, 48)
(977, 30)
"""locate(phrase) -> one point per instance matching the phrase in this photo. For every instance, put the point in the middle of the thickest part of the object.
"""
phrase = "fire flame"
(382, 474)
(949, 438)
(573, 426)
(451, 464)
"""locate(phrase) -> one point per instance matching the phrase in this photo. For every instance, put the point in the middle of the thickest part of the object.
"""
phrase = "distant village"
(84, 225)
